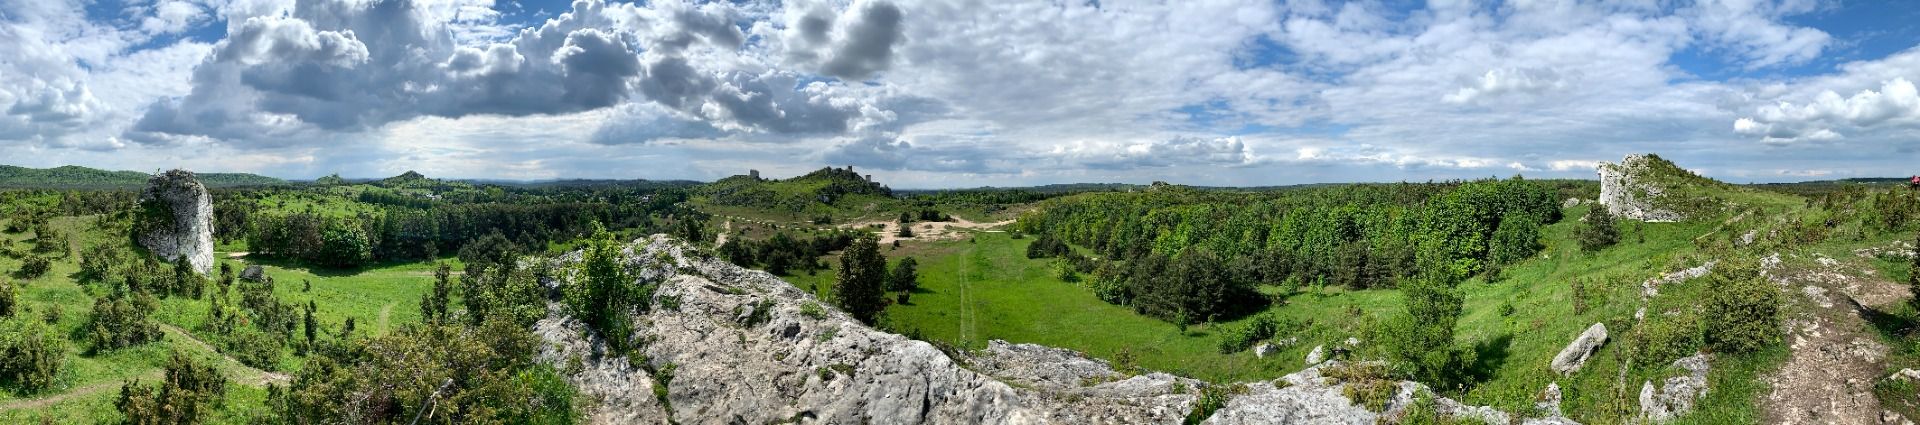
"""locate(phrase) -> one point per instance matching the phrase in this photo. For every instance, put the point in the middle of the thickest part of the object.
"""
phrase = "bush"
(9, 301)
(473, 374)
(120, 321)
(1047, 246)
(1665, 338)
(254, 348)
(1241, 338)
(604, 295)
(1598, 231)
(1742, 308)
(190, 390)
(34, 266)
(30, 354)
(1422, 341)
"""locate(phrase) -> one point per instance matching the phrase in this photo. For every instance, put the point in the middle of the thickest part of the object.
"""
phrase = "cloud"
(860, 46)
(1502, 81)
(1175, 151)
(1897, 102)
(1751, 30)
(333, 66)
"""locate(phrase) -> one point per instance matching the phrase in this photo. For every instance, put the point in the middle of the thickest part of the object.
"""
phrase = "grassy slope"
(380, 299)
(973, 292)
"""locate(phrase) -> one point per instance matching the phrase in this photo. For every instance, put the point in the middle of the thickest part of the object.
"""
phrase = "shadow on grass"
(1888, 324)
(1490, 356)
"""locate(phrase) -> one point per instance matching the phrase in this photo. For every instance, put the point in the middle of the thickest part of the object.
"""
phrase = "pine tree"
(860, 289)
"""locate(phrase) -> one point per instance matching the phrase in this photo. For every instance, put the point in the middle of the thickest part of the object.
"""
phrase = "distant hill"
(819, 191)
(77, 177)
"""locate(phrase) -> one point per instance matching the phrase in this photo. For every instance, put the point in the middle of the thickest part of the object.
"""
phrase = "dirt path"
(240, 373)
(725, 228)
(926, 230)
(1835, 359)
(97, 387)
(385, 312)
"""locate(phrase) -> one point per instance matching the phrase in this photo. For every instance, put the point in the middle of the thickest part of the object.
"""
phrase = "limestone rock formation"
(176, 219)
(741, 346)
(1626, 195)
(1679, 393)
(1571, 358)
(1319, 354)
(1311, 397)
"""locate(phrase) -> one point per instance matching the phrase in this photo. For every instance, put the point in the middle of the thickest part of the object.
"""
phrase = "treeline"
(1190, 255)
(781, 253)
(406, 233)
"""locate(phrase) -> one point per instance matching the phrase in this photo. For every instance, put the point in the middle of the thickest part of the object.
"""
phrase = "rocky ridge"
(177, 219)
(723, 344)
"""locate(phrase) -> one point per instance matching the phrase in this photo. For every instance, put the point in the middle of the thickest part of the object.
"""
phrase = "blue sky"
(941, 93)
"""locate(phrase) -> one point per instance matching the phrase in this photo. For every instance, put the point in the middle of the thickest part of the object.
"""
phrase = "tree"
(189, 391)
(860, 288)
(344, 244)
(1517, 238)
(1913, 275)
(906, 231)
(1422, 340)
(904, 277)
(312, 326)
(434, 305)
(1597, 232)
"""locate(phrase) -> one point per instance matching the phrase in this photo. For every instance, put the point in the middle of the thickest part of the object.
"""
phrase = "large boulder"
(253, 273)
(1626, 193)
(1571, 358)
(176, 219)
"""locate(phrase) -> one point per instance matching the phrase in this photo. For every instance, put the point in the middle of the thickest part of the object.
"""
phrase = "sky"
(964, 93)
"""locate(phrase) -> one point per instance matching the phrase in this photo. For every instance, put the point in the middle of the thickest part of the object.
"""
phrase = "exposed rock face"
(1309, 397)
(177, 219)
(1571, 358)
(1626, 196)
(1677, 396)
(744, 347)
(1319, 354)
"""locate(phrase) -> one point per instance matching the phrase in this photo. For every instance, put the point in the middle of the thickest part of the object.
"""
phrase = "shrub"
(31, 354)
(1047, 246)
(120, 321)
(190, 390)
(1742, 308)
(9, 301)
(1241, 338)
(254, 348)
(1665, 338)
(604, 295)
(34, 266)
(1597, 232)
(905, 277)
(1422, 340)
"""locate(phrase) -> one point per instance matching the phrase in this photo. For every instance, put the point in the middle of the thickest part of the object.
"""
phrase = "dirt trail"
(725, 228)
(1835, 358)
(240, 373)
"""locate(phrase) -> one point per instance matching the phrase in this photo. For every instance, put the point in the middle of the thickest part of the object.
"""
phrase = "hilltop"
(77, 177)
(822, 191)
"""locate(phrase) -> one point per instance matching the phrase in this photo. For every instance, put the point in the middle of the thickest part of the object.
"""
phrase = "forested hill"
(819, 190)
(76, 177)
